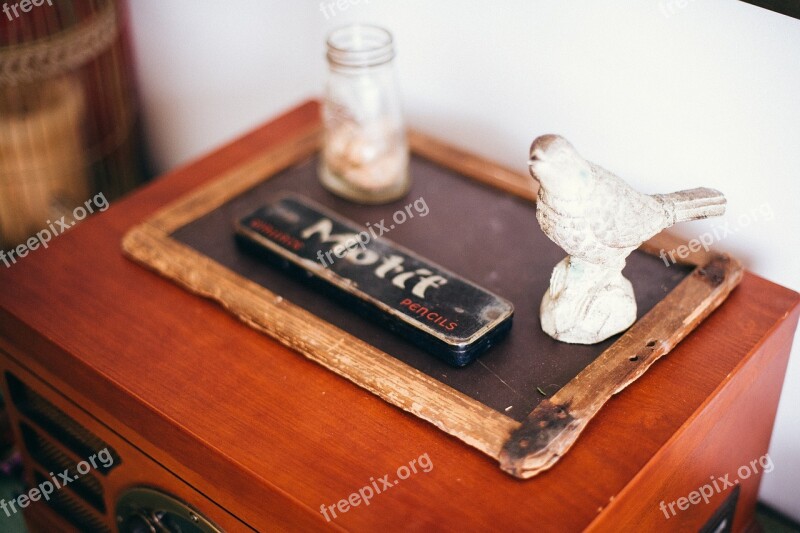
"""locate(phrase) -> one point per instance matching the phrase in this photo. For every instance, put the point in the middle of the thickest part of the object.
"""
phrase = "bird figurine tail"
(694, 204)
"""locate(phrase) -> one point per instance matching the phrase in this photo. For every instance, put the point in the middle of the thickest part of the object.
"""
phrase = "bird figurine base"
(587, 303)
(598, 219)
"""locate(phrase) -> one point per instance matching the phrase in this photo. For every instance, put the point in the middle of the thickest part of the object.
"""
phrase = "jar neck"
(357, 47)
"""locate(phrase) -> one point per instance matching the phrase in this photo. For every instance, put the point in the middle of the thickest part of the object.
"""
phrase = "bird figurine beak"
(536, 156)
(531, 162)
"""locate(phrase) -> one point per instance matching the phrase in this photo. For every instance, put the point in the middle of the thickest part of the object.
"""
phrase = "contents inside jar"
(370, 156)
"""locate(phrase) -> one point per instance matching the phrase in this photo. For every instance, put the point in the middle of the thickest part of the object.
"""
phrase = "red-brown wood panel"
(270, 436)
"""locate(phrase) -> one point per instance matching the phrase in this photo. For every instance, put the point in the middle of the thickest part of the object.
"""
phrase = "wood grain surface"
(270, 436)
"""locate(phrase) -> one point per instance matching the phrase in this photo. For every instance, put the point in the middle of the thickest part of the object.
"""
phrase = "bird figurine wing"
(625, 218)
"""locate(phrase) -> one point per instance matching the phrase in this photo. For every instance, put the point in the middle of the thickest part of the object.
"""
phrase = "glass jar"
(365, 154)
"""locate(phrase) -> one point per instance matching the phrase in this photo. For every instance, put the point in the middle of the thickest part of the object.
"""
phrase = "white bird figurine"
(598, 219)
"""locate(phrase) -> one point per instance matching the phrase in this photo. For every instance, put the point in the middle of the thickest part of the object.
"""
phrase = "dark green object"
(434, 308)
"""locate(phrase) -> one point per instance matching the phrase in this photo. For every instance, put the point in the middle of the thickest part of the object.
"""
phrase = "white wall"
(212, 70)
(667, 97)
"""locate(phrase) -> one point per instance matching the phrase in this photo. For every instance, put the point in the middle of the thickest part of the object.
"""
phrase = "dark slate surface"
(487, 236)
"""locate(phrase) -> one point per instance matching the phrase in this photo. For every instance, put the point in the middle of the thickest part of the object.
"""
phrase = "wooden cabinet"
(254, 436)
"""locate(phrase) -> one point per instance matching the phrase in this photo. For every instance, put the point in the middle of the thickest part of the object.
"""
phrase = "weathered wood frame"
(523, 449)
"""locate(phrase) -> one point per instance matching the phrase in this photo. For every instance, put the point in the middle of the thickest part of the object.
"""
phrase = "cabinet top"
(240, 409)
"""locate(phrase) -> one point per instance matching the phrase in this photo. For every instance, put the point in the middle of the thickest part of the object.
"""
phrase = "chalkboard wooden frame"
(522, 449)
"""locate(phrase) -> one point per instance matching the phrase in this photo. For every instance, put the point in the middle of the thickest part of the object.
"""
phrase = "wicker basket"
(68, 120)
(42, 160)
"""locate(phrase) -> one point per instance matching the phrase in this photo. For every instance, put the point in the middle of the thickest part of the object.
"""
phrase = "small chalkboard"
(526, 399)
